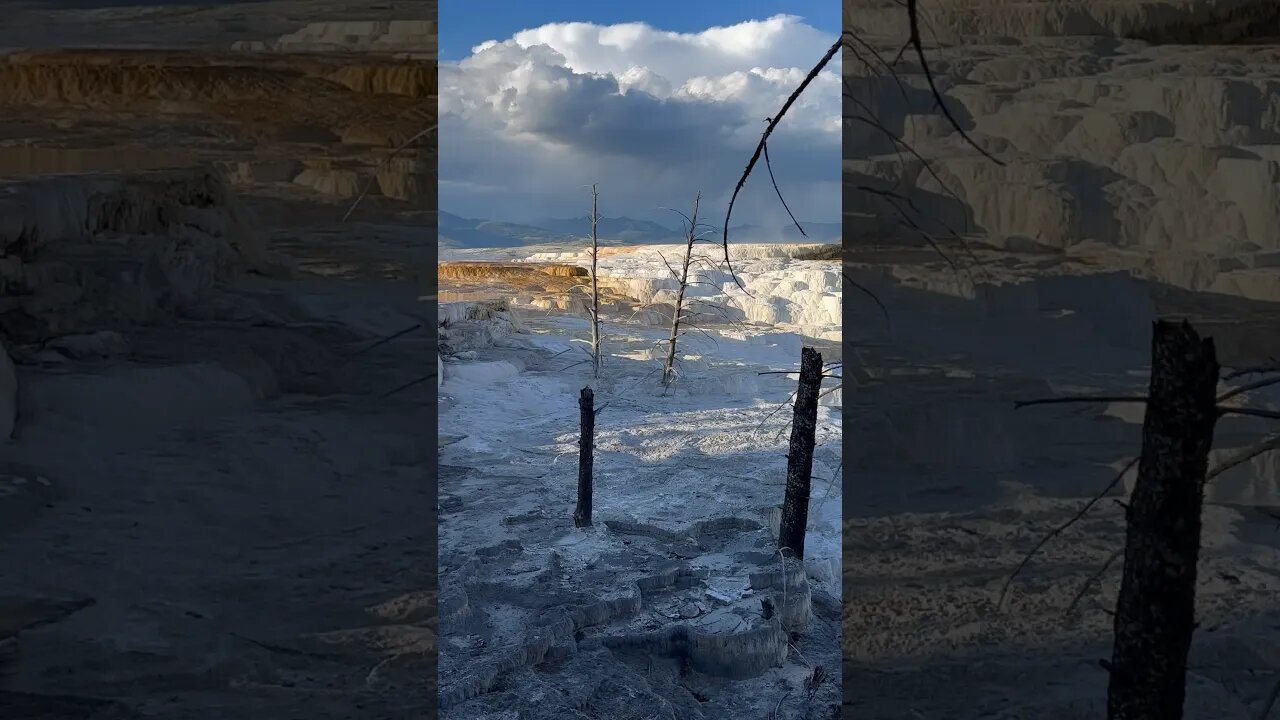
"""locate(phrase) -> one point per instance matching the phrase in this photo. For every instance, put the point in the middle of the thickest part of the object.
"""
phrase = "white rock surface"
(330, 181)
(1157, 149)
(404, 36)
(954, 20)
(798, 295)
(1161, 161)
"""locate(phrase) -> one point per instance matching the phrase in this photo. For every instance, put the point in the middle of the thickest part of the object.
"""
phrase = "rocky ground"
(675, 602)
(216, 495)
(1130, 179)
(208, 24)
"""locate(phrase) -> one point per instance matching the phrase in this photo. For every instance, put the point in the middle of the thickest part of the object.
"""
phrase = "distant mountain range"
(459, 232)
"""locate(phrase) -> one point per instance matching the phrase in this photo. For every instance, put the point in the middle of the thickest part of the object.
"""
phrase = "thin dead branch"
(1272, 367)
(913, 15)
(871, 59)
(668, 371)
(1271, 701)
(769, 166)
(1245, 455)
(1249, 387)
(1004, 591)
(884, 311)
(406, 386)
(764, 139)
(1250, 412)
(1079, 399)
(595, 284)
(383, 341)
(374, 177)
(1093, 579)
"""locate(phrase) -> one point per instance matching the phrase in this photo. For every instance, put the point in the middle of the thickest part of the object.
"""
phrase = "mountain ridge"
(456, 231)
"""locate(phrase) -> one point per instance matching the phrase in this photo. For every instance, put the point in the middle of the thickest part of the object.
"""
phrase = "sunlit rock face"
(778, 287)
(404, 36)
(1113, 128)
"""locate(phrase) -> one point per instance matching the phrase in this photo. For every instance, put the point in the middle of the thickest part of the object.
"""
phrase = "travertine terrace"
(664, 606)
(1138, 149)
(1163, 158)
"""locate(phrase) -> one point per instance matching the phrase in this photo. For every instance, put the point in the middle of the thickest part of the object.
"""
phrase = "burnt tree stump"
(586, 445)
(795, 504)
(1155, 612)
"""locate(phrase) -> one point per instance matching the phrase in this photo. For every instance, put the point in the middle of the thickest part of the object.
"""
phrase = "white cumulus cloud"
(652, 116)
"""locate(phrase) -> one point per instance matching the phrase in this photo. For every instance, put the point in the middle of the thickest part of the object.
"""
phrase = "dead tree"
(595, 285)
(1155, 618)
(586, 447)
(795, 504)
(1155, 612)
(691, 237)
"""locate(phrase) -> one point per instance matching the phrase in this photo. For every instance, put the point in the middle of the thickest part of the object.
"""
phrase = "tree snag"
(586, 444)
(1155, 612)
(691, 237)
(595, 286)
(795, 505)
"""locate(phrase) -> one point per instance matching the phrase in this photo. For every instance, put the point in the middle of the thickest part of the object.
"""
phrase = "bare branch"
(853, 49)
(374, 177)
(913, 15)
(1077, 399)
(1244, 456)
(1271, 701)
(1271, 368)
(1093, 579)
(1004, 591)
(888, 324)
(773, 123)
(595, 283)
(769, 166)
(1250, 412)
(1255, 385)
(668, 373)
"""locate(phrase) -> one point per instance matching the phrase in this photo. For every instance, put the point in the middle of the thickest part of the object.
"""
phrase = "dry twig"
(374, 177)
(1004, 591)
(760, 149)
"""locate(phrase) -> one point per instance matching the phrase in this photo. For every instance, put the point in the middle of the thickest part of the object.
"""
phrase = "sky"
(467, 23)
(539, 100)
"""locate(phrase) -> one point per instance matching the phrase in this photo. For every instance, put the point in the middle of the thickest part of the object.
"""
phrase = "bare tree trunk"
(668, 369)
(795, 505)
(1155, 613)
(595, 285)
(586, 447)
